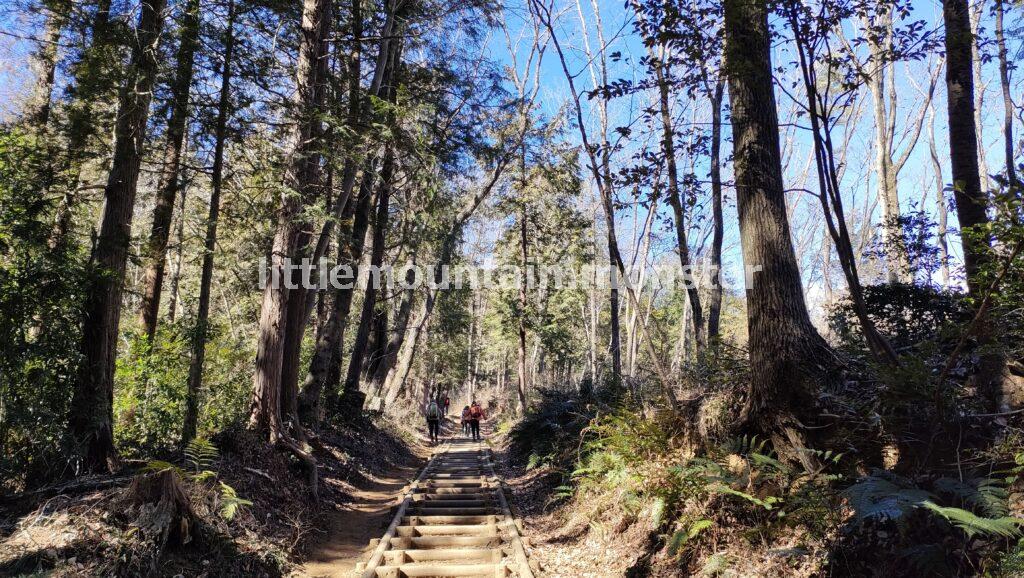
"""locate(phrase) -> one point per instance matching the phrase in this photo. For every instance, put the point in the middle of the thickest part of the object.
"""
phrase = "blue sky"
(915, 183)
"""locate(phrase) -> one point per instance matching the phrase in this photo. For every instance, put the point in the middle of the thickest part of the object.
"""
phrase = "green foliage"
(906, 314)
(200, 455)
(40, 295)
(973, 525)
(230, 503)
(1011, 563)
(885, 496)
(681, 537)
(151, 383)
(149, 394)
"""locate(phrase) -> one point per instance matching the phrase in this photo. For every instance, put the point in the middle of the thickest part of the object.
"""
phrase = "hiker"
(476, 413)
(447, 403)
(465, 421)
(434, 420)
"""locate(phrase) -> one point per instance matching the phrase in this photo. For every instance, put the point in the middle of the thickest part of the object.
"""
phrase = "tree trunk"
(1004, 83)
(523, 298)
(682, 244)
(971, 204)
(304, 179)
(715, 300)
(397, 339)
(325, 366)
(378, 340)
(156, 248)
(91, 419)
(979, 92)
(195, 370)
(829, 189)
(940, 199)
(179, 253)
(786, 351)
(44, 64)
(352, 399)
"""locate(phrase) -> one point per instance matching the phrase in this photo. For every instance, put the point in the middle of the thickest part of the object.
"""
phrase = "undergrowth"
(619, 466)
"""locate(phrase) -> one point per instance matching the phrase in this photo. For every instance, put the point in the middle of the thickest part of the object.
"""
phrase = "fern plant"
(885, 496)
(974, 525)
(230, 503)
(200, 455)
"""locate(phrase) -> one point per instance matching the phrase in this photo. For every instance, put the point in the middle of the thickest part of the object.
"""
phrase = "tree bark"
(786, 351)
(156, 248)
(1004, 83)
(91, 418)
(44, 64)
(303, 179)
(940, 199)
(524, 303)
(179, 253)
(397, 339)
(715, 300)
(195, 370)
(325, 366)
(669, 149)
(352, 398)
(979, 92)
(971, 204)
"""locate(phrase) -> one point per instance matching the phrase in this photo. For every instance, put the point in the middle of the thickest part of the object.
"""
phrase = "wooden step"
(464, 555)
(477, 511)
(447, 530)
(443, 520)
(446, 491)
(438, 542)
(432, 497)
(440, 570)
(453, 483)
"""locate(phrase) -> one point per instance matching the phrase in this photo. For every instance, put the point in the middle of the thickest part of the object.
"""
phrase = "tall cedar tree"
(302, 181)
(220, 135)
(167, 189)
(91, 420)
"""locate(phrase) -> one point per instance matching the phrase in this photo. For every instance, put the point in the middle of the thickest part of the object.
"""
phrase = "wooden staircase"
(453, 521)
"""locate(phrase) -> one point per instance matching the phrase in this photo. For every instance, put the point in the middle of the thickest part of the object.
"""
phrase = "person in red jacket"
(476, 413)
(465, 421)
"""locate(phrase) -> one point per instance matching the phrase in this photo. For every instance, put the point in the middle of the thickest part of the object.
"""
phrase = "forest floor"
(366, 513)
(91, 527)
(563, 542)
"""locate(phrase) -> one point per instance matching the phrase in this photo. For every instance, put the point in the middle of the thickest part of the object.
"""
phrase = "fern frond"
(200, 454)
(973, 525)
(767, 503)
(985, 495)
(230, 503)
(883, 495)
(681, 537)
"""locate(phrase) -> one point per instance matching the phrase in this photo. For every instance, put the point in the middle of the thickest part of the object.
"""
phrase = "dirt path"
(364, 516)
(352, 527)
(368, 513)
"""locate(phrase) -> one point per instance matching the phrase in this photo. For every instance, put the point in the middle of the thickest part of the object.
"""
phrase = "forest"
(738, 286)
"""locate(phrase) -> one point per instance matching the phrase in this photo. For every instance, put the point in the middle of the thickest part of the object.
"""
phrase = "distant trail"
(453, 521)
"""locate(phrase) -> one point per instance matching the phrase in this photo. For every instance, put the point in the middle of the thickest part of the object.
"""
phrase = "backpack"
(476, 412)
(433, 412)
